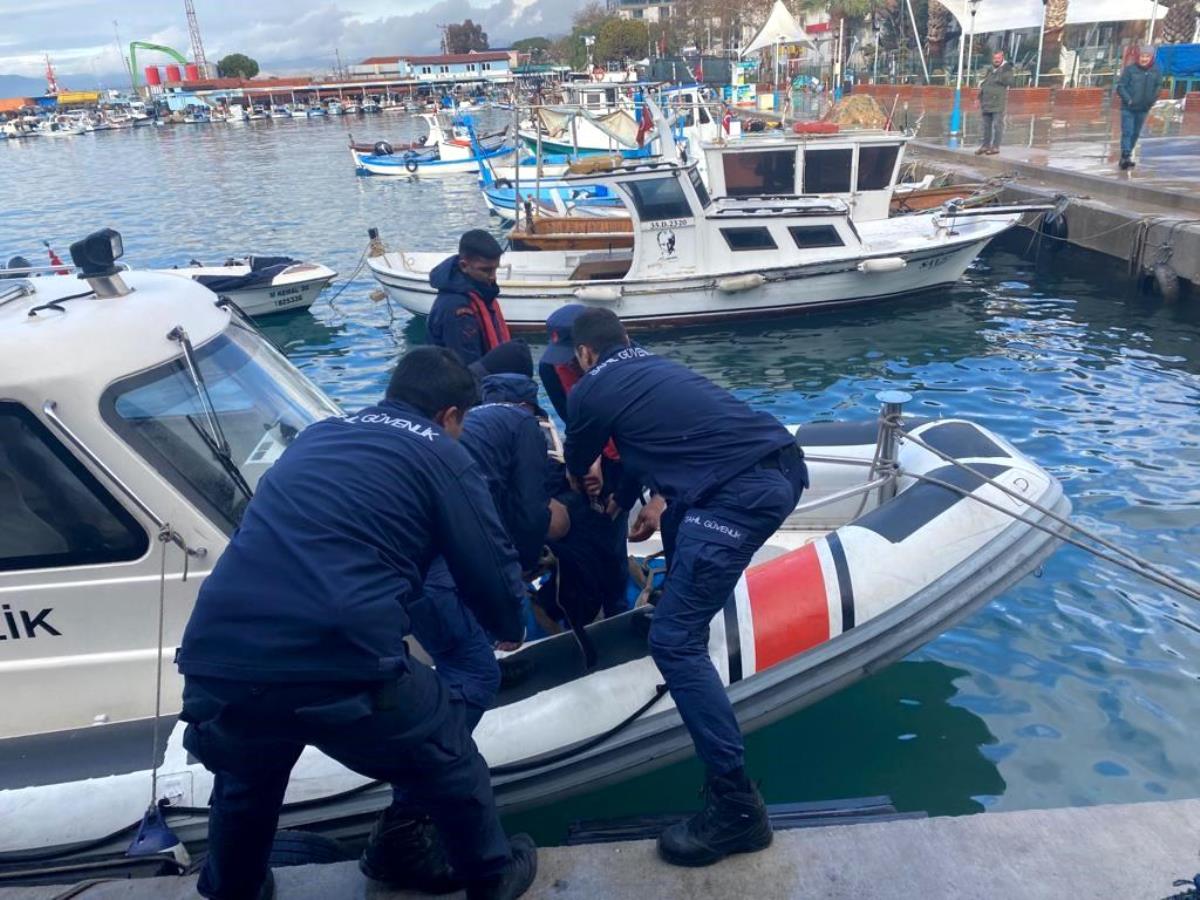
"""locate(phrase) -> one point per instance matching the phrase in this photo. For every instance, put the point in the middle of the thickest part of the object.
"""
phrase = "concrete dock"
(1124, 852)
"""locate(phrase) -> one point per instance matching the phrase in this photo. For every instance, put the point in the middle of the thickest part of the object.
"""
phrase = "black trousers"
(407, 732)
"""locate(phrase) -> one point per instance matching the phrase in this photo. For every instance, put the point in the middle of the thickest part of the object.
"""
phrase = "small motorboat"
(335, 108)
(371, 105)
(258, 113)
(263, 285)
(280, 112)
(154, 409)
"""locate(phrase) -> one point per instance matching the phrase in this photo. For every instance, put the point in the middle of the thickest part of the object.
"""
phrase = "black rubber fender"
(383, 148)
(503, 183)
(410, 163)
(1054, 226)
(302, 848)
(1166, 280)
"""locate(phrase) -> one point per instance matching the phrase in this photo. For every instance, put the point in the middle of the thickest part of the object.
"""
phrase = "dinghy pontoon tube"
(857, 578)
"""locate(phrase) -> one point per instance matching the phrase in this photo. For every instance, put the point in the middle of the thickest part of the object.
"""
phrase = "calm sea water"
(1075, 687)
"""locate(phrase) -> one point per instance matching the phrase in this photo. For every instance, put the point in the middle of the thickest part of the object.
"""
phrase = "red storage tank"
(191, 72)
(152, 77)
(174, 75)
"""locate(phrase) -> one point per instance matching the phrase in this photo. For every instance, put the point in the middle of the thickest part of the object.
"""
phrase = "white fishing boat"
(257, 113)
(371, 105)
(263, 285)
(280, 112)
(335, 108)
(698, 259)
(353, 109)
(139, 414)
(61, 126)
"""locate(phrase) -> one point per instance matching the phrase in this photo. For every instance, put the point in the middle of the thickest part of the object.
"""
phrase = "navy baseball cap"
(562, 346)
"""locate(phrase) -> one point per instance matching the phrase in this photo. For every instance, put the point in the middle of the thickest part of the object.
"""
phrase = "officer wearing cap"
(725, 477)
(297, 636)
(466, 316)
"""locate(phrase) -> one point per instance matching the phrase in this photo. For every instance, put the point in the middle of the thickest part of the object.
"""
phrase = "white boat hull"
(297, 287)
(713, 297)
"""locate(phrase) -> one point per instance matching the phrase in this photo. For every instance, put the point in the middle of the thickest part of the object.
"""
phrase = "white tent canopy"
(998, 15)
(1011, 15)
(1085, 12)
(781, 27)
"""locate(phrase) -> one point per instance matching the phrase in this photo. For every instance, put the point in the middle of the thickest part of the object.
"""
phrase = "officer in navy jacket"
(728, 476)
(466, 315)
(297, 637)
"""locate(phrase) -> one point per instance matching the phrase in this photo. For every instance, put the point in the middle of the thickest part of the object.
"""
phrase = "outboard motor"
(383, 148)
(17, 262)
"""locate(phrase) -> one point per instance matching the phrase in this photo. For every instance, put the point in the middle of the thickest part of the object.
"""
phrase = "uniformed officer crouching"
(724, 477)
(297, 637)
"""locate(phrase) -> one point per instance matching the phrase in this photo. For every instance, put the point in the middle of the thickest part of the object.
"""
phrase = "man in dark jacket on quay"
(1138, 89)
(993, 103)
(724, 477)
(297, 637)
(466, 316)
(505, 439)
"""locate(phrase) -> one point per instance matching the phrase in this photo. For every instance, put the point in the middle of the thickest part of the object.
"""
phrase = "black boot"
(405, 851)
(733, 820)
(516, 878)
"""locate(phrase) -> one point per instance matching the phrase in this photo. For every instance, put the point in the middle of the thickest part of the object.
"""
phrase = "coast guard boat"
(138, 413)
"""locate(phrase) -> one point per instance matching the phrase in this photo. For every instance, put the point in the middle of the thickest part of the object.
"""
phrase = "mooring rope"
(1121, 557)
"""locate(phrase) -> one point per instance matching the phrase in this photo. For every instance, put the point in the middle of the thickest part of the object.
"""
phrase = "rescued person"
(466, 315)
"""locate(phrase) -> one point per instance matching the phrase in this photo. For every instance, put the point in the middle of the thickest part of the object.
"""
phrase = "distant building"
(648, 10)
(485, 65)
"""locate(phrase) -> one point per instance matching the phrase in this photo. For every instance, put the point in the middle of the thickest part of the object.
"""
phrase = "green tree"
(538, 48)
(465, 37)
(237, 65)
(620, 40)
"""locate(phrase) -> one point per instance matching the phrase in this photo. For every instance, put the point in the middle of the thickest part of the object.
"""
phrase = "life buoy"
(411, 164)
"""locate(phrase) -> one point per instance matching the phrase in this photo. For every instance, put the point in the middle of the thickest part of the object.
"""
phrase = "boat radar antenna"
(198, 56)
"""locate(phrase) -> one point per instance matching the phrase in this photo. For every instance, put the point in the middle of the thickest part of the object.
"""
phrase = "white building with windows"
(647, 10)
(484, 65)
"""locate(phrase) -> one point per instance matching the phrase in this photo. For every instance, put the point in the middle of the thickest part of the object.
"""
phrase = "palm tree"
(1179, 25)
(1056, 23)
(936, 31)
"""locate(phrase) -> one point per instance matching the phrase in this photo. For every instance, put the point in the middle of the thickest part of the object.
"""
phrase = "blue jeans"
(993, 129)
(1132, 121)
(249, 735)
(708, 547)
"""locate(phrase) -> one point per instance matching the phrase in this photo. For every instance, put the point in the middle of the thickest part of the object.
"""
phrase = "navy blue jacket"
(452, 322)
(506, 441)
(336, 542)
(1138, 88)
(675, 430)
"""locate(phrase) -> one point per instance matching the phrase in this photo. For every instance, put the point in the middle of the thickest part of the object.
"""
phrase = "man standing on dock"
(297, 637)
(993, 103)
(724, 477)
(1138, 89)
(466, 315)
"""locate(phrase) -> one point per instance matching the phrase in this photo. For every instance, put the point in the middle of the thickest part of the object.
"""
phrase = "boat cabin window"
(809, 237)
(701, 190)
(53, 511)
(759, 173)
(827, 171)
(260, 406)
(660, 198)
(875, 167)
(748, 239)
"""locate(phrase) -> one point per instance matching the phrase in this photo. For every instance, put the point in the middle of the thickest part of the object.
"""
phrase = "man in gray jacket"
(993, 101)
(1138, 89)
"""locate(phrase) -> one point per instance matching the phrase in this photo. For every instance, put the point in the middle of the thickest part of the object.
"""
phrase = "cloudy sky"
(283, 35)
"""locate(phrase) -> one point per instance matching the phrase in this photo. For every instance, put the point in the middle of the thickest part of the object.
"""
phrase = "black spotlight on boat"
(95, 257)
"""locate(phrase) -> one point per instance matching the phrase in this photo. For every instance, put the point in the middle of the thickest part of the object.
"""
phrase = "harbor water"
(1077, 686)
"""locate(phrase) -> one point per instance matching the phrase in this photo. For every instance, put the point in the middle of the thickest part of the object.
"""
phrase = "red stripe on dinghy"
(788, 606)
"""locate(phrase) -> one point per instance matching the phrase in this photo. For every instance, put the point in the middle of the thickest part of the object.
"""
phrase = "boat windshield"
(262, 403)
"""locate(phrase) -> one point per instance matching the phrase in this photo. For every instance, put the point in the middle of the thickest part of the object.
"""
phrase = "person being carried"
(1137, 89)
(993, 102)
(466, 315)
(297, 636)
(724, 477)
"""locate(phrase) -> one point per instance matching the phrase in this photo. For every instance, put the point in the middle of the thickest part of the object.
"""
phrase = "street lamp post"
(971, 40)
(956, 112)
